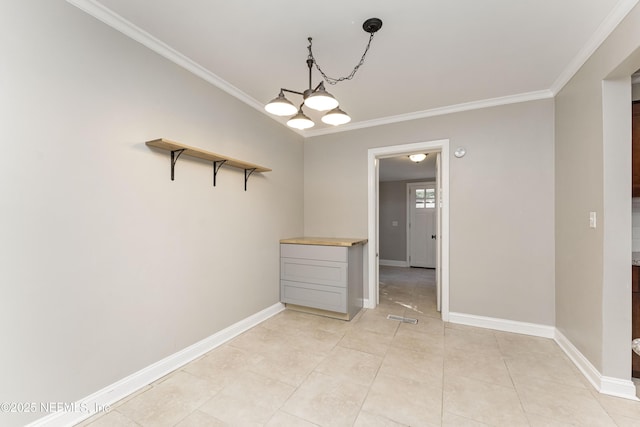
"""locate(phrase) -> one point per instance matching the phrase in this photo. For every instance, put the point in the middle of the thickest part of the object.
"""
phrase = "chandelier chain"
(332, 80)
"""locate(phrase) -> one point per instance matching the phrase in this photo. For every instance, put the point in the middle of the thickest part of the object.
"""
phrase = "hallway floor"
(298, 369)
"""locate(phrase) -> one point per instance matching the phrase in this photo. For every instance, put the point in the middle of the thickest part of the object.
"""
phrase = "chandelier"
(318, 98)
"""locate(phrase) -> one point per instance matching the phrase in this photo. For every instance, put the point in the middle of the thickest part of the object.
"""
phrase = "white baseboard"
(605, 385)
(618, 388)
(504, 325)
(578, 359)
(126, 386)
(393, 263)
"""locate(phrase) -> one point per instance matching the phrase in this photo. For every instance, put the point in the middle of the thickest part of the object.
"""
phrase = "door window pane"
(430, 198)
(420, 194)
(425, 198)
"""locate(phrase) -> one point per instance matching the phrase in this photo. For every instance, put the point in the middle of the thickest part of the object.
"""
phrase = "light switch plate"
(394, 223)
(592, 219)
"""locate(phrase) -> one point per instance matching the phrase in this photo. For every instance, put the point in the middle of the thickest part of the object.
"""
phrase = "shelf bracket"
(217, 164)
(174, 159)
(247, 174)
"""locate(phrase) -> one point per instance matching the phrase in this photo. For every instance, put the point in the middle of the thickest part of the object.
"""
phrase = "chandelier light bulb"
(281, 106)
(336, 117)
(300, 121)
(321, 100)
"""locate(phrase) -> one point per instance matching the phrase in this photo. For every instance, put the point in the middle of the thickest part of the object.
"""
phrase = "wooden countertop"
(324, 241)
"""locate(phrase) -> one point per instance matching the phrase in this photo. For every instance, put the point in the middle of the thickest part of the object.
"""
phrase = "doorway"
(442, 258)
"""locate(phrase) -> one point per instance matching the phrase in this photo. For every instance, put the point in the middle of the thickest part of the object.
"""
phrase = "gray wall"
(108, 266)
(392, 204)
(501, 199)
(593, 173)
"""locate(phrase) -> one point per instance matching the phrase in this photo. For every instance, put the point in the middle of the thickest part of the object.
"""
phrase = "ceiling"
(430, 57)
(401, 168)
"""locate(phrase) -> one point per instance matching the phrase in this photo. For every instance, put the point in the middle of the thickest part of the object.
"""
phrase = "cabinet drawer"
(325, 253)
(312, 271)
(312, 295)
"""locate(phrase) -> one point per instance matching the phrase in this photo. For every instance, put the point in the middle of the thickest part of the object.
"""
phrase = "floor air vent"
(402, 319)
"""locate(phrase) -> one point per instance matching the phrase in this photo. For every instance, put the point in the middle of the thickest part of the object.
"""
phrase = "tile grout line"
(297, 387)
(503, 357)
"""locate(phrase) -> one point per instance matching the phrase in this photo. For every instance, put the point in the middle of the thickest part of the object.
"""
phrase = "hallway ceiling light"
(318, 98)
(417, 157)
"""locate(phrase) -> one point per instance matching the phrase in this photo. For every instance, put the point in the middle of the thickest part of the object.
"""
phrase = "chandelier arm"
(291, 91)
(332, 80)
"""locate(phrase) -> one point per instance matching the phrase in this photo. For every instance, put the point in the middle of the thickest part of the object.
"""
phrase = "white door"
(438, 233)
(376, 269)
(422, 225)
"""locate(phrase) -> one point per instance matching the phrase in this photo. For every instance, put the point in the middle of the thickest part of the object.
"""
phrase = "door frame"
(441, 145)
(408, 229)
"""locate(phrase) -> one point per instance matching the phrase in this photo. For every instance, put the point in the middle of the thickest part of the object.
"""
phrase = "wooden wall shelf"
(177, 149)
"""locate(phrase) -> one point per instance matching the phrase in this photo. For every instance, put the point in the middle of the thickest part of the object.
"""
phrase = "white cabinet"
(322, 276)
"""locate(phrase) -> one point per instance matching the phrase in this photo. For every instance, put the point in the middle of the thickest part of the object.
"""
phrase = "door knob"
(433, 236)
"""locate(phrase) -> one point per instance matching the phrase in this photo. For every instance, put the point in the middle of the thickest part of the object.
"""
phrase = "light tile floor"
(298, 369)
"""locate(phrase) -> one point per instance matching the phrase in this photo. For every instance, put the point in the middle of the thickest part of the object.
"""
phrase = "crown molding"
(107, 16)
(617, 14)
(440, 111)
(117, 22)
